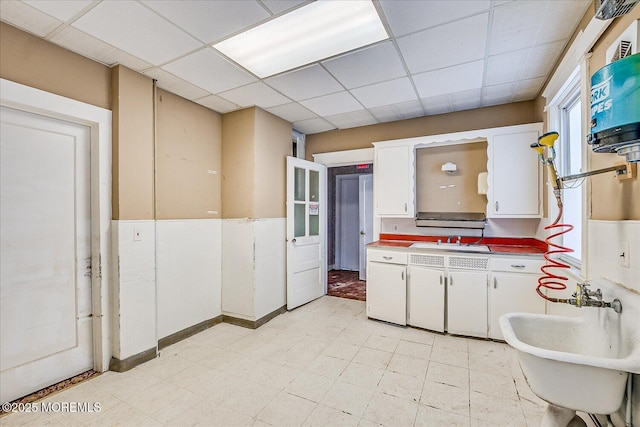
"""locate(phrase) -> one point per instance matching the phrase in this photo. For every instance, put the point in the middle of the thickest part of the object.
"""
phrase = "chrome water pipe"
(585, 297)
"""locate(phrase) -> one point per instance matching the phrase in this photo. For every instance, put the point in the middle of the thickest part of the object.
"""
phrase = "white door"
(306, 231)
(45, 256)
(366, 220)
(347, 223)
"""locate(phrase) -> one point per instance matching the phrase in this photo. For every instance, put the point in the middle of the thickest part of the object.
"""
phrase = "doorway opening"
(349, 229)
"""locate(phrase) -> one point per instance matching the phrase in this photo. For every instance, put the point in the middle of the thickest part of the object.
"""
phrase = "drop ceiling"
(442, 55)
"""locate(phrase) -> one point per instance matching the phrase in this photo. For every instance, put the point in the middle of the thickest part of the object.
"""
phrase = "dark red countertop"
(505, 245)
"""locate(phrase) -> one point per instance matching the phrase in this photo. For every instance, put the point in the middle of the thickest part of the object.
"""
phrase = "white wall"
(270, 266)
(134, 287)
(189, 276)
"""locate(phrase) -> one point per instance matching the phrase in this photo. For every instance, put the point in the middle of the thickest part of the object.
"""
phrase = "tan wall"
(481, 118)
(470, 159)
(610, 199)
(31, 61)
(132, 155)
(273, 145)
(189, 142)
(238, 163)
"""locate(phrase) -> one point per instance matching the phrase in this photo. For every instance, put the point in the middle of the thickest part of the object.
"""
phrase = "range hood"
(475, 220)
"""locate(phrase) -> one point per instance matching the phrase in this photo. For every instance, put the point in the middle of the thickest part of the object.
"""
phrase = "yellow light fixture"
(310, 33)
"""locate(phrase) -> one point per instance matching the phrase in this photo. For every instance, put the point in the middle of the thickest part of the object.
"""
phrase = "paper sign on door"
(314, 208)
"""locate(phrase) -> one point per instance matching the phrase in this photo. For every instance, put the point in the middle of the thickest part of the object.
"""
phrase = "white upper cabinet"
(394, 178)
(515, 176)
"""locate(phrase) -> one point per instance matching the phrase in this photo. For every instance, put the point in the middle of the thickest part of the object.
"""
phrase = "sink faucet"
(458, 241)
(584, 297)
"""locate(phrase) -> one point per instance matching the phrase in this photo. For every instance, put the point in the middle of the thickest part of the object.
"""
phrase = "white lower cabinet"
(467, 303)
(387, 286)
(512, 288)
(426, 293)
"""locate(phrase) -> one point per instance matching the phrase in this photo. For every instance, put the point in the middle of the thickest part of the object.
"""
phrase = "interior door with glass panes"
(306, 231)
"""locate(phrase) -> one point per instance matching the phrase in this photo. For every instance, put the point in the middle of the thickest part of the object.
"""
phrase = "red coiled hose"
(550, 280)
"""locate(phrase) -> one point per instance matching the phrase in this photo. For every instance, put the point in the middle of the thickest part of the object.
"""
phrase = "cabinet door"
(510, 293)
(467, 303)
(387, 292)
(515, 177)
(393, 177)
(426, 298)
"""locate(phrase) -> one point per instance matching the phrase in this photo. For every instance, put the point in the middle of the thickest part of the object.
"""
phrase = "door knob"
(293, 240)
(362, 233)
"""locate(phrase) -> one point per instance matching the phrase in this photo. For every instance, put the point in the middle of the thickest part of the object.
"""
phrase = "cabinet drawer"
(389, 257)
(517, 265)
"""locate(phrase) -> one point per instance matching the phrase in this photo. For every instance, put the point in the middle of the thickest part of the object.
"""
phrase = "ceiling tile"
(135, 29)
(309, 82)
(173, 84)
(210, 21)
(218, 104)
(499, 91)
(402, 111)
(465, 100)
(437, 104)
(29, 19)
(278, 6)
(362, 67)
(451, 44)
(352, 119)
(258, 94)
(329, 105)
(313, 126)
(538, 64)
(391, 92)
(292, 112)
(209, 71)
(506, 67)
(512, 40)
(453, 79)
(82, 43)
(530, 85)
(408, 16)
(518, 15)
(60, 9)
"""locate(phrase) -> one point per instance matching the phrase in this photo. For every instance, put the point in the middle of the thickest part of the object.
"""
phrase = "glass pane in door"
(314, 186)
(299, 191)
(299, 217)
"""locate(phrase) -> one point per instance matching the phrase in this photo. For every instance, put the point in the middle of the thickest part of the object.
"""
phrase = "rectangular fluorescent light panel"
(313, 32)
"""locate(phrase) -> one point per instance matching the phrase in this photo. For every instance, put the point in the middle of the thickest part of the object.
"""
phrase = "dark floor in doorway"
(345, 284)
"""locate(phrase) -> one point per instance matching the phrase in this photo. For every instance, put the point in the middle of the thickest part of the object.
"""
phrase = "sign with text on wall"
(314, 208)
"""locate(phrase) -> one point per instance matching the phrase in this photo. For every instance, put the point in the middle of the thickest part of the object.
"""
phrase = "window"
(570, 162)
(566, 117)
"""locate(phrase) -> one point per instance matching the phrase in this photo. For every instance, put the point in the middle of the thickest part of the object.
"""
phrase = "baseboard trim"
(187, 332)
(254, 324)
(130, 362)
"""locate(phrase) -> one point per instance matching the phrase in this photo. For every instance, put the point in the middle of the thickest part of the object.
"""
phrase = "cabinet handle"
(497, 206)
(388, 258)
(517, 265)
(403, 275)
(405, 207)
(450, 281)
(495, 283)
(441, 279)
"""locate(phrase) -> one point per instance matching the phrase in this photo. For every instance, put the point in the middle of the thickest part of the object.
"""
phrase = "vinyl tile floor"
(323, 364)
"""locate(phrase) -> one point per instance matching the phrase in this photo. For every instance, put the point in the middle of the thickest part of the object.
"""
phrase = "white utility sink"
(578, 363)
(450, 247)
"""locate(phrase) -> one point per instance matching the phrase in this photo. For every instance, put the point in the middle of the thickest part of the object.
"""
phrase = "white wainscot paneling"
(270, 265)
(133, 246)
(189, 262)
(238, 268)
